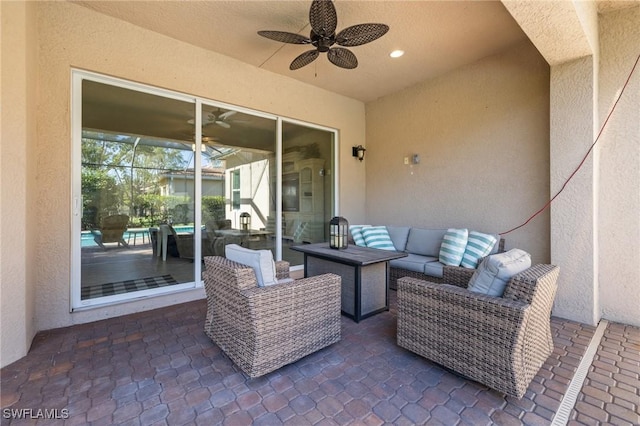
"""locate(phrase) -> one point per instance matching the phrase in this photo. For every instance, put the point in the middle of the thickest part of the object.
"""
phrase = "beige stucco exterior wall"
(573, 213)
(17, 179)
(73, 36)
(482, 133)
(619, 198)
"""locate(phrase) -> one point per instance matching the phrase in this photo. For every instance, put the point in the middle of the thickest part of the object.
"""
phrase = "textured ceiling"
(437, 36)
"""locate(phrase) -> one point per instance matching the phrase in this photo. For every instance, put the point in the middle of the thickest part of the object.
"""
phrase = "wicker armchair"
(264, 328)
(499, 341)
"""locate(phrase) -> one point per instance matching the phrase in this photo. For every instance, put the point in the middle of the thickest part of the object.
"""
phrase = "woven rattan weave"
(264, 328)
(499, 341)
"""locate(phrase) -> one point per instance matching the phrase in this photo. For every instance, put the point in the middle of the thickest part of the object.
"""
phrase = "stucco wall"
(17, 179)
(573, 214)
(482, 133)
(619, 197)
(73, 36)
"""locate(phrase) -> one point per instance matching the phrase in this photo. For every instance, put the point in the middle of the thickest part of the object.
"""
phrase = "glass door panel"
(238, 180)
(307, 187)
(138, 192)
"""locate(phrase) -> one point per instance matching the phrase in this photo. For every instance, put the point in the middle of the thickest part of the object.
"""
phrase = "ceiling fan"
(220, 119)
(324, 20)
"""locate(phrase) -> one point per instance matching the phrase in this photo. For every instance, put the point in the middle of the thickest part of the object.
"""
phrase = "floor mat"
(127, 286)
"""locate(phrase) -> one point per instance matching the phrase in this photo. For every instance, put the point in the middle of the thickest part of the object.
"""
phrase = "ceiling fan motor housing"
(323, 44)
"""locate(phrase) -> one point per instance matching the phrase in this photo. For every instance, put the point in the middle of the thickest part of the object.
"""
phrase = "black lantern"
(245, 221)
(338, 233)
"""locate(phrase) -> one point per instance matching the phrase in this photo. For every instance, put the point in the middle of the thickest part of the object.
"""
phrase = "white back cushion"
(260, 260)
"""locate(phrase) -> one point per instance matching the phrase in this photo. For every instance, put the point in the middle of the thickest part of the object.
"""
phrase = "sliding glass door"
(307, 189)
(238, 179)
(162, 180)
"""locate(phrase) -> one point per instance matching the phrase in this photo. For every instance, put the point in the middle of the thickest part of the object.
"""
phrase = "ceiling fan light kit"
(324, 20)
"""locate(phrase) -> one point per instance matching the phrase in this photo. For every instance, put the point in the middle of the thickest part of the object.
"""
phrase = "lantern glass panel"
(338, 228)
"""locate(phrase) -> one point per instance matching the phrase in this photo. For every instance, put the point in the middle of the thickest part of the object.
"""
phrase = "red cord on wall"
(585, 156)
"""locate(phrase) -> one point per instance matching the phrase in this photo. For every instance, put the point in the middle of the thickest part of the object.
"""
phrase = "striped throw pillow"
(377, 237)
(479, 245)
(453, 245)
(356, 233)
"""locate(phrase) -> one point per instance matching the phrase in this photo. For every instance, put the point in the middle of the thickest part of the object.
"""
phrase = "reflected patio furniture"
(135, 232)
(250, 238)
(185, 243)
(111, 230)
(216, 228)
(499, 341)
(264, 328)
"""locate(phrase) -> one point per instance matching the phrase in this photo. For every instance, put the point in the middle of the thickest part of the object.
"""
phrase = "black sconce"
(245, 221)
(358, 151)
(338, 233)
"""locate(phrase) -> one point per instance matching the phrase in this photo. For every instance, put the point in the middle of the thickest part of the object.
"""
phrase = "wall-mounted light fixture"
(358, 152)
(414, 159)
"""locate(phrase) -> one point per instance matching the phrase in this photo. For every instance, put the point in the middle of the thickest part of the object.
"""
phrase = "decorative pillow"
(260, 260)
(377, 237)
(495, 271)
(478, 246)
(356, 233)
(453, 244)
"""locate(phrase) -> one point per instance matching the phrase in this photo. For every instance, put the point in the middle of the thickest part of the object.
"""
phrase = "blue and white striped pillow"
(377, 237)
(356, 233)
(479, 245)
(453, 245)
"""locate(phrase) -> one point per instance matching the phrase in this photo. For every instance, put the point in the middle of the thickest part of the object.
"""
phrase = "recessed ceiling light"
(396, 53)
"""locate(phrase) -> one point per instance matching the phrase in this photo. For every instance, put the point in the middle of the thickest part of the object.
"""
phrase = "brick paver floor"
(611, 392)
(159, 367)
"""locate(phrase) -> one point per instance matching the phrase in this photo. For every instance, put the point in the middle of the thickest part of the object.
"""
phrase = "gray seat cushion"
(434, 269)
(425, 241)
(399, 236)
(413, 262)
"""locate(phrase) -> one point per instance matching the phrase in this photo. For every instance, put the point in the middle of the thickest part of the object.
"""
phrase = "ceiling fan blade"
(204, 123)
(285, 37)
(223, 124)
(343, 58)
(323, 17)
(357, 35)
(226, 115)
(305, 59)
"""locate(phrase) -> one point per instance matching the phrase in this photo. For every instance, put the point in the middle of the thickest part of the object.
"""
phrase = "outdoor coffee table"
(364, 272)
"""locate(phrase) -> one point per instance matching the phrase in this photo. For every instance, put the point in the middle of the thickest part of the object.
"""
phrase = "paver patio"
(158, 367)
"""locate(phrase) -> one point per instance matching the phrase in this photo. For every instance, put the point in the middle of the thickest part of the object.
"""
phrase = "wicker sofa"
(422, 247)
(499, 341)
(264, 328)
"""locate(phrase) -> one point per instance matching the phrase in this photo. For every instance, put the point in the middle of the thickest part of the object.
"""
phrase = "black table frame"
(352, 263)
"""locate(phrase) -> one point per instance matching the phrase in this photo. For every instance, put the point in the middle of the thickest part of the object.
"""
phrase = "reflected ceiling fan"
(220, 119)
(324, 20)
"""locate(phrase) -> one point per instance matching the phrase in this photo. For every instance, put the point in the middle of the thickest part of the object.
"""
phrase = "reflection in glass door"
(151, 194)
(238, 180)
(307, 187)
(137, 192)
